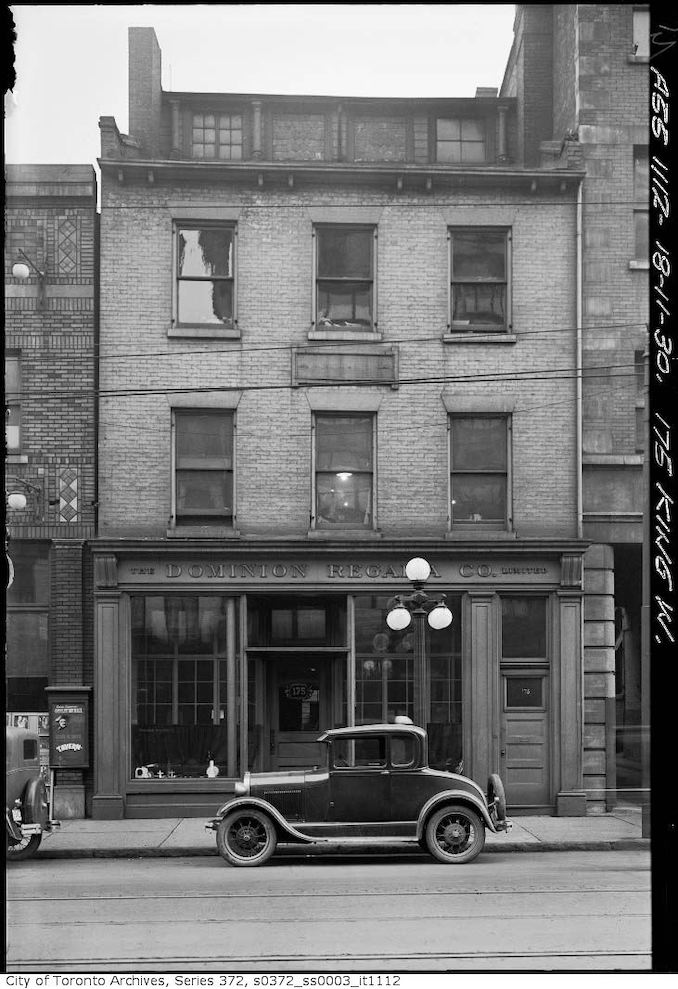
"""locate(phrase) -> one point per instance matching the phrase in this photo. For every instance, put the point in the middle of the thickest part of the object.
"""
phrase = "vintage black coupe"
(375, 781)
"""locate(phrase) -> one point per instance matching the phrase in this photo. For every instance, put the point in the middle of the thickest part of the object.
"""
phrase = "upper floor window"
(345, 267)
(641, 32)
(641, 193)
(203, 467)
(344, 470)
(460, 140)
(205, 265)
(217, 135)
(479, 470)
(479, 283)
(13, 403)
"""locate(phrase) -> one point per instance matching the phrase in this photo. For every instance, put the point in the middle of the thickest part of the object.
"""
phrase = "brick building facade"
(50, 378)
(326, 349)
(583, 71)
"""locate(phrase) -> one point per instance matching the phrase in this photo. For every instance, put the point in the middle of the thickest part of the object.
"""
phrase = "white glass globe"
(418, 570)
(20, 270)
(398, 618)
(16, 500)
(440, 617)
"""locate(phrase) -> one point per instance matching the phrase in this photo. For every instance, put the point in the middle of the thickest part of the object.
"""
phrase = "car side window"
(30, 749)
(402, 752)
(359, 752)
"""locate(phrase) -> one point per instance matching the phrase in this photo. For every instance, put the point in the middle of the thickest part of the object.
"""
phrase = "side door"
(525, 748)
(360, 786)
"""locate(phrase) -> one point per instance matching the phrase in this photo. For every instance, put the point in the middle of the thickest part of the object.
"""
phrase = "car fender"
(452, 797)
(285, 831)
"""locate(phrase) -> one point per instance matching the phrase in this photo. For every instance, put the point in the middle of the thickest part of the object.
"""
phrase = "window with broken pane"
(205, 272)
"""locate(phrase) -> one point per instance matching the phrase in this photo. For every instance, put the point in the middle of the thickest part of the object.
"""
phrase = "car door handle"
(502, 752)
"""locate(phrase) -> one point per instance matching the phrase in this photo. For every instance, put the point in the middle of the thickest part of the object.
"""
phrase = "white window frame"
(229, 329)
(342, 526)
(480, 328)
(336, 328)
(212, 524)
(490, 525)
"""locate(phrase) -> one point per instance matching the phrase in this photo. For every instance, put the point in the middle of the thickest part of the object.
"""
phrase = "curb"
(292, 851)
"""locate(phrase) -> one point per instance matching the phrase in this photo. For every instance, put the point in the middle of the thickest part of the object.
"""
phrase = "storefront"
(233, 660)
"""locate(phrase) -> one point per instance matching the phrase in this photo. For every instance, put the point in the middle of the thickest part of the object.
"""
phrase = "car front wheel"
(246, 838)
(455, 834)
(18, 850)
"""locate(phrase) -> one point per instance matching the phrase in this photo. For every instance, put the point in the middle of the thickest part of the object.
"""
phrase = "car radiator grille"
(288, 802)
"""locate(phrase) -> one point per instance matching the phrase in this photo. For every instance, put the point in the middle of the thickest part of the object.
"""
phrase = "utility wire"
(606, 371)
(237, 350)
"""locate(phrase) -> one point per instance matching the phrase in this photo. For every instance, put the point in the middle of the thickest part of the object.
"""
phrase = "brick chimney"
(529, 77)
(145, 90)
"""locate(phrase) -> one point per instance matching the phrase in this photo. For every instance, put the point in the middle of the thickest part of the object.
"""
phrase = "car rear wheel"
(455, 834)
(246, 838)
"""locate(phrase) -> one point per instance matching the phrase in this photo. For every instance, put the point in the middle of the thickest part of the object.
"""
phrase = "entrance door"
(525, 757)
(299, 703)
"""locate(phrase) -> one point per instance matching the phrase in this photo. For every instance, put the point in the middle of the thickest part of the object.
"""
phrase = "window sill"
(339, 333)
(474, 530)
(459, 336)
(203, 532)
(344, 533)
(638, 59)
(216, 332)
(16, 458)
(639, 265)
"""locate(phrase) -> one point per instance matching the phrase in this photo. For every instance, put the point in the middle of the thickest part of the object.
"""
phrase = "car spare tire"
(496, 796)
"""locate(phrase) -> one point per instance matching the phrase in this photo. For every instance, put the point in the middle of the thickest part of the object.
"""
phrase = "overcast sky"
(71, 60)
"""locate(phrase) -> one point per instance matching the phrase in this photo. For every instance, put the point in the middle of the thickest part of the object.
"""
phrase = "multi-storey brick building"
(326, 348)
(50, 377)
(580, 72)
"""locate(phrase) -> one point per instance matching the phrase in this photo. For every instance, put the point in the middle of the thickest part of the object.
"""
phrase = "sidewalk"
(173, 837)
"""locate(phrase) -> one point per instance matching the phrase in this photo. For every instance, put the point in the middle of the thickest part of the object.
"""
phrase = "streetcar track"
(226, 895)
(228, 961)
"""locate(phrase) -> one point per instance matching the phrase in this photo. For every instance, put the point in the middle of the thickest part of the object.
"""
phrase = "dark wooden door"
(299, 702)
(525, 748)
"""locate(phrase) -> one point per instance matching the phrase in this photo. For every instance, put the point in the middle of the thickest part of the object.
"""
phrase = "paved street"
(548, 910)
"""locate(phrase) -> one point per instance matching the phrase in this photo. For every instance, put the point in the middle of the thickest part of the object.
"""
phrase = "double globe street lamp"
(419, 607)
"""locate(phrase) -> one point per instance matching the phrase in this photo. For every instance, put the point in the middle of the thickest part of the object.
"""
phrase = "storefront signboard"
(333, 572)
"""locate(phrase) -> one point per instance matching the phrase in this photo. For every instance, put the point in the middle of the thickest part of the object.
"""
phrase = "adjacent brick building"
(582, 71)
(50, 379)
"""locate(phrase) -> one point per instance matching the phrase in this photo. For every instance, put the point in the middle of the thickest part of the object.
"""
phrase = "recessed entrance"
(299, 697)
